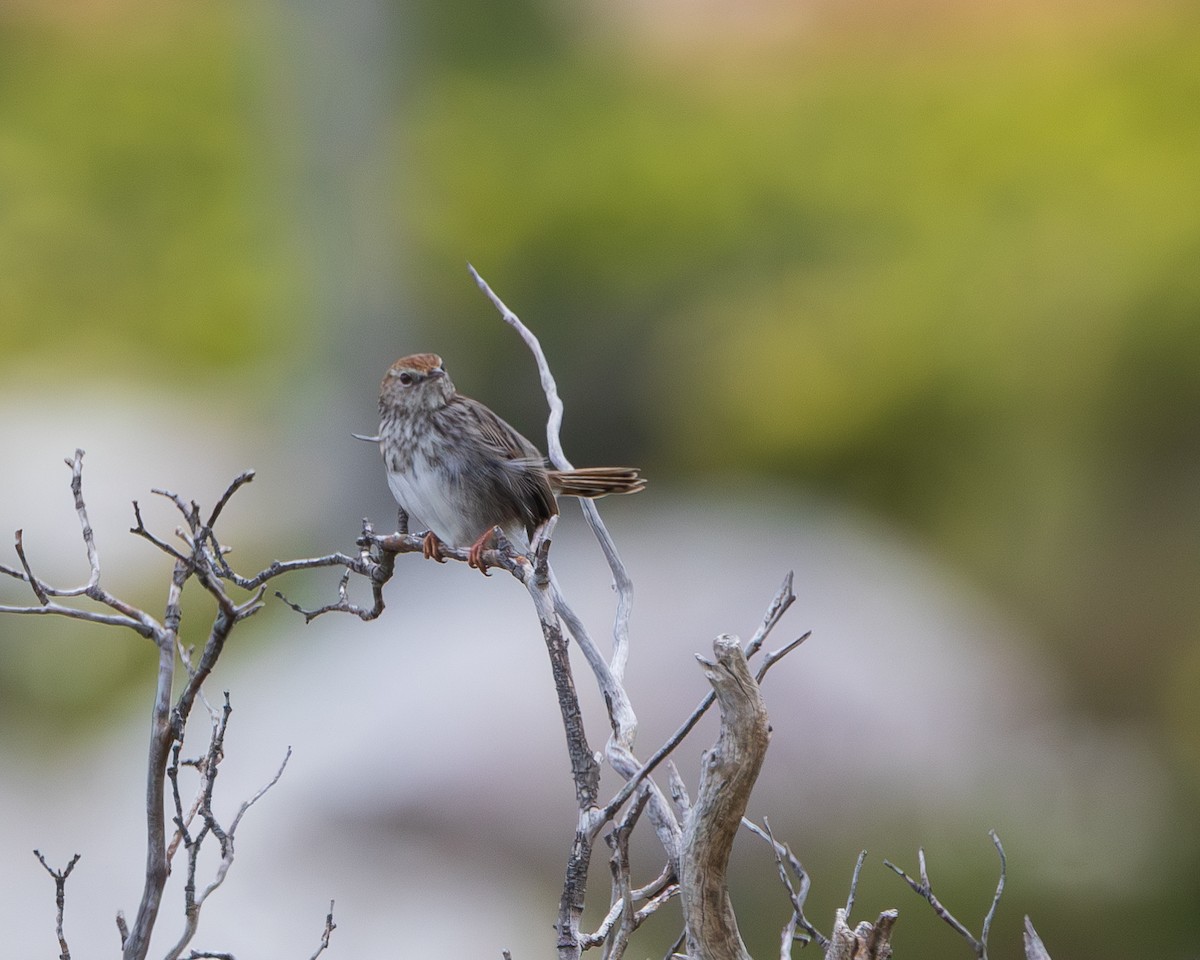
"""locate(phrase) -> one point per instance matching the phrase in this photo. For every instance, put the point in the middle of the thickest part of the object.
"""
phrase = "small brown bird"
(462, 471)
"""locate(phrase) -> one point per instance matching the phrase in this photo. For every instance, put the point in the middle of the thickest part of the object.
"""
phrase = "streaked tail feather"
(593, 482)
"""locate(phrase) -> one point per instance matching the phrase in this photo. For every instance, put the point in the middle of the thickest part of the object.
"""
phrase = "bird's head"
(416, 383)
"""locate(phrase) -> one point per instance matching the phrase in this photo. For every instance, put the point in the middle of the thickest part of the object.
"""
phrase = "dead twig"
(730, 770)
(330, 926)
(60, 899)
(197, 555)
(797, 894)
(867, 941)
(784, 598)
(924, 888)
(1034, 948)
(208, 767)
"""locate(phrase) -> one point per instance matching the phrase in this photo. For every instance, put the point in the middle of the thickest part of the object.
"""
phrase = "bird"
(464, 472)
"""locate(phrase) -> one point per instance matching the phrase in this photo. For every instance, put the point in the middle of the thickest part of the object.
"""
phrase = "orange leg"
(475, 555)
(431, 547)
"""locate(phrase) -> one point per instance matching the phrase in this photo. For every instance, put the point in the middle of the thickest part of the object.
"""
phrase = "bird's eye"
(406, 378)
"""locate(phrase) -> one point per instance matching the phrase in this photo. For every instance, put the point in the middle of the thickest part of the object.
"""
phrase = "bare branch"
(924, 888)
(618, 841)
(208, 767)
(1034, 948)
(783, 855)
(991, 914)
(126, 615)
(71, 613)
(60, 899)
(34, 582)
(867, 941)
(189, 511)
(247, 804)
(655, 894)
(558, 457)
(666, 895)
(679, 792)
(162, 735)
(730, 770)
(76, 465)
(549, 387)
(608, 673)
(862, 857)
(784, 597)
(585, 770)
(85, 526)
(375, 561)
(775, 656)
(788, 936)
(243, 478)
(139, 529)
(278, 567)
(330, 926)
(182, 820)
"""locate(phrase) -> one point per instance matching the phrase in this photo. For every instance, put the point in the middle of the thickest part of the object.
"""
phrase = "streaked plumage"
(461, 470)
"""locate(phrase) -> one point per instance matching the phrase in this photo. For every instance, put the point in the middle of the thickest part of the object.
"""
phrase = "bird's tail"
(593, 482)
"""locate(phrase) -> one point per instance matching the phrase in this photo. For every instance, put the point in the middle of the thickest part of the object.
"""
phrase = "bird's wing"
(499, 438)
(519, 465)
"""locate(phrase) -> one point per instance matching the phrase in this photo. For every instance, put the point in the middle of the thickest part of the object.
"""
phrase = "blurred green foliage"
(136, 226)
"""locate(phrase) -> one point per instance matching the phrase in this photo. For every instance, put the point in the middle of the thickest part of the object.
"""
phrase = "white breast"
(429, 505)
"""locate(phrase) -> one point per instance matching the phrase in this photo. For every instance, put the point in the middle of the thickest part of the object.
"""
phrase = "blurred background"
(901, 294)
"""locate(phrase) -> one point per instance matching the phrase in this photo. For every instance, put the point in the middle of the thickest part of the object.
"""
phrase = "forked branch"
(924, 888)
(60, 899)
(197, 555)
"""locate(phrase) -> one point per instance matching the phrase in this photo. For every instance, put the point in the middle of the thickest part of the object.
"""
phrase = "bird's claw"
(431, 547)
(475, 554)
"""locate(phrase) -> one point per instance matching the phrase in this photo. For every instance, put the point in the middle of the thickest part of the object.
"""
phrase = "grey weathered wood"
(730, 769)
(1034, 948)
(867, 941)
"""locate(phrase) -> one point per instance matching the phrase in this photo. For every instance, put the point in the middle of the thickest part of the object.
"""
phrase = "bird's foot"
(431, 547)
(485, 542)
